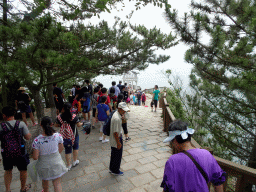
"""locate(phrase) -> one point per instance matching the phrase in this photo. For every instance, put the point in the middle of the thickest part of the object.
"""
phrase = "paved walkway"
(143, 160)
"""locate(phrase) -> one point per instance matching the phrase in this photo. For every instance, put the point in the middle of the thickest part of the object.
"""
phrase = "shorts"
(94, 112)
(68, 145)
(86, 109)
(26, 109)
(20, 162)
(155, 103)
(101, 126)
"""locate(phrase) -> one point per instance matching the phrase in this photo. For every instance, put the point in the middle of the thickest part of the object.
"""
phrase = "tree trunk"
(5, 55)
(49, 91)
(38, 104)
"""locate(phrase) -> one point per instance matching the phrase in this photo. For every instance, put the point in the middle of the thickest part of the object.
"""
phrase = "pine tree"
(224, 71)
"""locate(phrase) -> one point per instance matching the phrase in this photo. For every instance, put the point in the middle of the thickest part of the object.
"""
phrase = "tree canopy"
(224, 72)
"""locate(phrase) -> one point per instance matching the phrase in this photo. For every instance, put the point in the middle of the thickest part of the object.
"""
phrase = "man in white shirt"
(115, 139)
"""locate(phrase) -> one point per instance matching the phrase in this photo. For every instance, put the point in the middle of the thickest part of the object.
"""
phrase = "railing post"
(240, 183)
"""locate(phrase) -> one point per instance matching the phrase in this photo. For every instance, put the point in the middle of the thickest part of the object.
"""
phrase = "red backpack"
(12, 143)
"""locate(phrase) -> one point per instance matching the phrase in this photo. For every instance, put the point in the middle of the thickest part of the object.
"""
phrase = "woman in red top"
(143, 98)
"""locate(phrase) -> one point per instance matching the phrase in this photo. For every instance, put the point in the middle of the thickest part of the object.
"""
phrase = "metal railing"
(238, 175)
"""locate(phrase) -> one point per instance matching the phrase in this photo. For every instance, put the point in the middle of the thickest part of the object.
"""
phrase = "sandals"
(27, 187)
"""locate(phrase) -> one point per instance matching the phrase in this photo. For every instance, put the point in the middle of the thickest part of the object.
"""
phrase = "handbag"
(32, 172)
(197, 165)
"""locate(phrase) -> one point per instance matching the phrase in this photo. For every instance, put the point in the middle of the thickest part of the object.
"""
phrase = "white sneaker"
(69, 167)
(75, 163)
(105, 141)
(100, 138)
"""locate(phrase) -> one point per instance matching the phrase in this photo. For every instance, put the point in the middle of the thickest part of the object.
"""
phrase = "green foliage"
(223, 77)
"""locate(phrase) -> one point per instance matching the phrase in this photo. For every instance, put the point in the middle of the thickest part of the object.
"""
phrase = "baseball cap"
(123, 106)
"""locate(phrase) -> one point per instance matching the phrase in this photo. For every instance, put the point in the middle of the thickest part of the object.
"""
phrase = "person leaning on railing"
(191, 169)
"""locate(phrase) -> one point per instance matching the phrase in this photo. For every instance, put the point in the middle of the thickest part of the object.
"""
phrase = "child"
(143, 99)
(94, 106)
(103, 113)
(74, 109)
(113, 98)
(134, 99)
(131, 99)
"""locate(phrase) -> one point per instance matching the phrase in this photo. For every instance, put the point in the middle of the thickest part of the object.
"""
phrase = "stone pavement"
(143, 162)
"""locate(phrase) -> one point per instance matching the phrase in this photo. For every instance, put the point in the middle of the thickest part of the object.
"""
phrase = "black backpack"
(12, 142)
(107, 124)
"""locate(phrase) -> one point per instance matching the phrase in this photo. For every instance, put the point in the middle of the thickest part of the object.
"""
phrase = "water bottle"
(23, 149)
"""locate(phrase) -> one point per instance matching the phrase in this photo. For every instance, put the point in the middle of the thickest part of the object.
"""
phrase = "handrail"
(245, 175)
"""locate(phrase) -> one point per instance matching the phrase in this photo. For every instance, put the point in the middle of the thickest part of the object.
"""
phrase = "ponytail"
(66, 115)
(46, 123)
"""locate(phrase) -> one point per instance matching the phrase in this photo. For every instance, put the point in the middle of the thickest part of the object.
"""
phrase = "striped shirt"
(47, 144)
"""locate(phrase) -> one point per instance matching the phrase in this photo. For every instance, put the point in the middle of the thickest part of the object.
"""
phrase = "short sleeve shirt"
(116, 126)
(47, 144)
(156, 92)
(22, 126)
(23, 97)
(107, 101)
(181, 174)
(102, 112)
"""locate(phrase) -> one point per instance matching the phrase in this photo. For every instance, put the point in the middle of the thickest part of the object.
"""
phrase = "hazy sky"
(151, 16)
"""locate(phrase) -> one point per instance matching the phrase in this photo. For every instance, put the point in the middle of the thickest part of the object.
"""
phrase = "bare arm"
(61, 147)
(28, 136)
(35, 154)
(79, 124)
(110, 107)
(219, 188)
(56, 125)
(119, 145)
(107, 113)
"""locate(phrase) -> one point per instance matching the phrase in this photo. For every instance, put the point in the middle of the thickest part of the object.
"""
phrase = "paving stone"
(154, 186)
(82, 188)
(146, 168)
(140, 189)
(127, 175)
(163, 156)
(158, 173)
(73, 174)
(123, 186)
(136, 150)
(88, 178)
(142, 179)
(160, 163)
(153, 146)
(104, 182)
(164, 150)
(94, 168)
(147, 160)
(132, 157)
(67, 185)
(148, 153)
(137, 144)
(126, 153)
(130, 165)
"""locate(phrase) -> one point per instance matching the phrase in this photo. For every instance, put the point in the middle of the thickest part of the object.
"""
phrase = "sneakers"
(100, 139)
(69, 167)
(105, 141)
(75, 163)
(117, 174)
(127, 139)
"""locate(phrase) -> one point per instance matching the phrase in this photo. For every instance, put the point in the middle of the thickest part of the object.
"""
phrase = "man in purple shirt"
(181, 173)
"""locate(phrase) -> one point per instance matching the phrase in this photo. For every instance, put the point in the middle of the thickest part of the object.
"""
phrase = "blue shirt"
(102, 112)
(117, 90)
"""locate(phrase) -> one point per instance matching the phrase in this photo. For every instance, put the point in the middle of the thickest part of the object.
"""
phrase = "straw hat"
(21, 89)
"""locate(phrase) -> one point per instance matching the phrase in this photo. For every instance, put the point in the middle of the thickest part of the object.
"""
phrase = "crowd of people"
(107, 105)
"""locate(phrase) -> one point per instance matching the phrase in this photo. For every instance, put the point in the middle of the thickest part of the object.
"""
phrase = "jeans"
(115, 159)
(139, 102)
